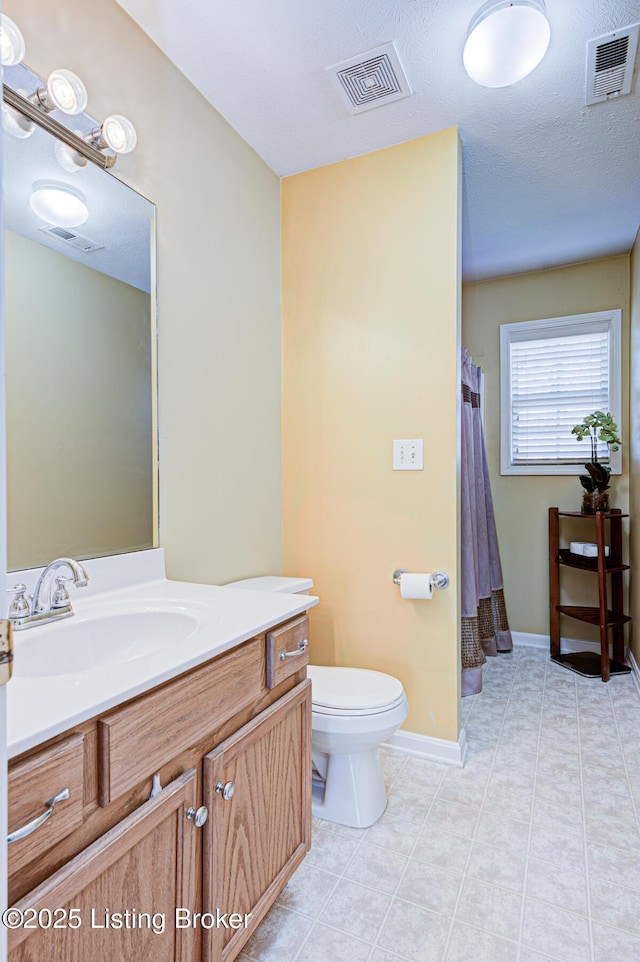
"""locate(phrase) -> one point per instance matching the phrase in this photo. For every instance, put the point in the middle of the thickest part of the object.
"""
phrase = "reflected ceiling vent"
(371, 80)
(610, 60)
(72, 239)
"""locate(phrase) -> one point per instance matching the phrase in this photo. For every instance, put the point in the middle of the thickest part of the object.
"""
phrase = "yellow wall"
(218, 287)
(78, 409)
(522, 502)
(634, 436)
(370, 260)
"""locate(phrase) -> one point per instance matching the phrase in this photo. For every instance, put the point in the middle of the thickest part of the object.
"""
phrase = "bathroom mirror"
(80, 361)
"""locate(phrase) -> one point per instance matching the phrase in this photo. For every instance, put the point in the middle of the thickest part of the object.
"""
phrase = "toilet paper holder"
(438, 579)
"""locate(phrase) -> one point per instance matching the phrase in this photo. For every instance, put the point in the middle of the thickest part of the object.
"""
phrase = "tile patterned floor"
(531, 853)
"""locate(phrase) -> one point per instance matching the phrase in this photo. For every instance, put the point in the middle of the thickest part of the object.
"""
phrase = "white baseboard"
(425, 746)
(530, 640)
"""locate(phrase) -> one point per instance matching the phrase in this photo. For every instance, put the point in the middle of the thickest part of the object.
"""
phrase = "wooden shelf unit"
(602, 615)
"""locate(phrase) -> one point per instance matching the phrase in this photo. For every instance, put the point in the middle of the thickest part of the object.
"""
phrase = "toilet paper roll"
(416, 586)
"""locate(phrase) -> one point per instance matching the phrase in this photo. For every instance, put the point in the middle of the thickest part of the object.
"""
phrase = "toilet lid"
(273, 583)
(353, 689)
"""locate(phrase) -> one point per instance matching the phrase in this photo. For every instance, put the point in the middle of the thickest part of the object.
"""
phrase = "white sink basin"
(78, 645)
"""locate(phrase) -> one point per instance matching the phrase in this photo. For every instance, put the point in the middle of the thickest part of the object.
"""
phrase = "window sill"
(567, 470)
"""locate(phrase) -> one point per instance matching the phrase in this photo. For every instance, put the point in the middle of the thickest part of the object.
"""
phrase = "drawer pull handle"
(199, 817)
(225, 789)
(300, 650)
(30, 827)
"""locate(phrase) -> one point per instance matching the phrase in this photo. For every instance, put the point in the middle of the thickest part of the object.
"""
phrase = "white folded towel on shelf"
(587, 549)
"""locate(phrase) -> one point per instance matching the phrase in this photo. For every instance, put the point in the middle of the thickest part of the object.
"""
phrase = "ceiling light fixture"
(64, 91)
(11, 42)
(58, 204)
(506, 41)
(116, 132)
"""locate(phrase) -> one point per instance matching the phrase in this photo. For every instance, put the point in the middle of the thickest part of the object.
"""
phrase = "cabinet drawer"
(287, 650)
(137, 739)
(32, 784)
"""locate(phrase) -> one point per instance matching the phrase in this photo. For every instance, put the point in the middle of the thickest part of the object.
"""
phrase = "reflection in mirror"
(80, 359)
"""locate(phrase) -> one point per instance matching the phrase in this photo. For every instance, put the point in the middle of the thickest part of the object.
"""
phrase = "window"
(552, 373)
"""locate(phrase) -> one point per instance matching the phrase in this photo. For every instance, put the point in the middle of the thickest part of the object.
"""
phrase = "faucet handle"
(20, 605)
(60, 598)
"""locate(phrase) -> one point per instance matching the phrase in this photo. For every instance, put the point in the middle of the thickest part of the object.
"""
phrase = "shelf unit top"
(579, 514)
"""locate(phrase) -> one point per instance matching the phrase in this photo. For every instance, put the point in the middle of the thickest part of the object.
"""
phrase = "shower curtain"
(485, 628)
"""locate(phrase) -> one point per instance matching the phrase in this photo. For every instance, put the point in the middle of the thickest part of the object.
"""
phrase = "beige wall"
(634, 436)
(218, 288)
(370, 252)
(522, 502)
(79, 451)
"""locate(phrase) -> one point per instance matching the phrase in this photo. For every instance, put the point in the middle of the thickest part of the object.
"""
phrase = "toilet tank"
(290, 586)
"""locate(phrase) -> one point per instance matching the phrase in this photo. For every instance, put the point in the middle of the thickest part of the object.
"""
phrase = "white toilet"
(353, 711)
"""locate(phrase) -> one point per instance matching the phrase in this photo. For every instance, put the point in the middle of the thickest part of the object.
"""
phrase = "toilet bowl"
(353, 711)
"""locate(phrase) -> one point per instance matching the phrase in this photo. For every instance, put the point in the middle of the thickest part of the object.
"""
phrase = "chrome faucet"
(48, 604)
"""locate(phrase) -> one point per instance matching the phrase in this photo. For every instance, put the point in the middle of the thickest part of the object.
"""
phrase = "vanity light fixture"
(11, 42)
(68, 158)
(64, 91)
(506, 40)
(14, 123)
(116, 132)
(58, 204)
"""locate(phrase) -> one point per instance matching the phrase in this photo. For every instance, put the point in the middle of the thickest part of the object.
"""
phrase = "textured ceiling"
(547, 181)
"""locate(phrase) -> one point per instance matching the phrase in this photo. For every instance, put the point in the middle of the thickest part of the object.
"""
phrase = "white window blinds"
(555, 382)
(553, 372)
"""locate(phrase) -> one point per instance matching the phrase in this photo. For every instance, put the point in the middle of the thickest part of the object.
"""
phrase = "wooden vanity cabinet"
(147, 855)
(146, 863)
(257, 788)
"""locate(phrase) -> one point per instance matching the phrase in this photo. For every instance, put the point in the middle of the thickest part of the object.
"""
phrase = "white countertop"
(39, 708)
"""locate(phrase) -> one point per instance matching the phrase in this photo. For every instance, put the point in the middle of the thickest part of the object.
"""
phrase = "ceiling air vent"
(374, 78)
(610, 60)
(73, 239)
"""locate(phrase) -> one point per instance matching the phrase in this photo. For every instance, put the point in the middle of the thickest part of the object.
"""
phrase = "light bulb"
(68, 158)
(14, 123)
(58, 204)
(11, 42)
(507, 39)
(66, 92)
(119, 134)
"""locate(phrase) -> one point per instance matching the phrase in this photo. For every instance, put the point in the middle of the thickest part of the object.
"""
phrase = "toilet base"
(352, 792)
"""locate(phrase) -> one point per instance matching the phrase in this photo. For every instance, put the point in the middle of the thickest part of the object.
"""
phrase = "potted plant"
(597, 427)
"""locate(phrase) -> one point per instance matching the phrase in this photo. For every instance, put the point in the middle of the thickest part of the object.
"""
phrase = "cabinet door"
(255, 839)
(145, 864)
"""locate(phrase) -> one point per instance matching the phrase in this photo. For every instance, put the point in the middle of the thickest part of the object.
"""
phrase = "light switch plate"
(408, 455)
